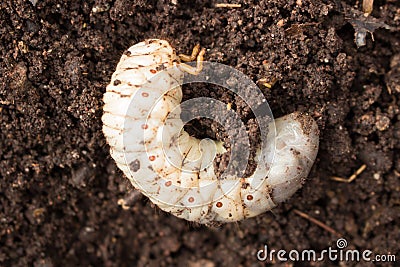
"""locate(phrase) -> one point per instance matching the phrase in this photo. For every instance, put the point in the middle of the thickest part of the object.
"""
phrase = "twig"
(228, 5)
(317, 222)
(352, 177)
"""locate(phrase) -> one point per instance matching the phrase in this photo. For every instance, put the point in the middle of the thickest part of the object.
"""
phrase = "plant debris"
(363, 24)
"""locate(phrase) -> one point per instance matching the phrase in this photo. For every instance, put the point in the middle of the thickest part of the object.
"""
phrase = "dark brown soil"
(59, 188)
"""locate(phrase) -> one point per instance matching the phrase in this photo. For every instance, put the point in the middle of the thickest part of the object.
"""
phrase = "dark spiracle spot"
(135, 165)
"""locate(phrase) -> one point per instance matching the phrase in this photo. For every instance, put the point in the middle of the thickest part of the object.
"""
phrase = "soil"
(60, 190)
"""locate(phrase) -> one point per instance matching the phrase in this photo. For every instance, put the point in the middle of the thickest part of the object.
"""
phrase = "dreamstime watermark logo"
(156, 118)
(340, 253)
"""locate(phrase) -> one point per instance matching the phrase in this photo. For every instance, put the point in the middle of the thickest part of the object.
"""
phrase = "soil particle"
(393, 76)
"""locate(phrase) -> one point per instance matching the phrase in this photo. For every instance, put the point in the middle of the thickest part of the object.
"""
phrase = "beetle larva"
(139, 124)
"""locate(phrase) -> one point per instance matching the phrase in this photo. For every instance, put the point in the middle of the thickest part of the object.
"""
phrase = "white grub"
(198, 195)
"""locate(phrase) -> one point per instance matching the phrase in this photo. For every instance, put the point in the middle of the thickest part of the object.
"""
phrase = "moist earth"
(61, 193)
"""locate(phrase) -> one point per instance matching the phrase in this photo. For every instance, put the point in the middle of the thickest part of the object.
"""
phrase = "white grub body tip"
(296, 144)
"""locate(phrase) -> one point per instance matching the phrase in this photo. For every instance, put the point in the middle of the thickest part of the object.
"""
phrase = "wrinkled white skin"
(198, 195)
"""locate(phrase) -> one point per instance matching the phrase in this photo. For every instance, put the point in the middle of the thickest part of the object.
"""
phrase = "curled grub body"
(142, 120)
